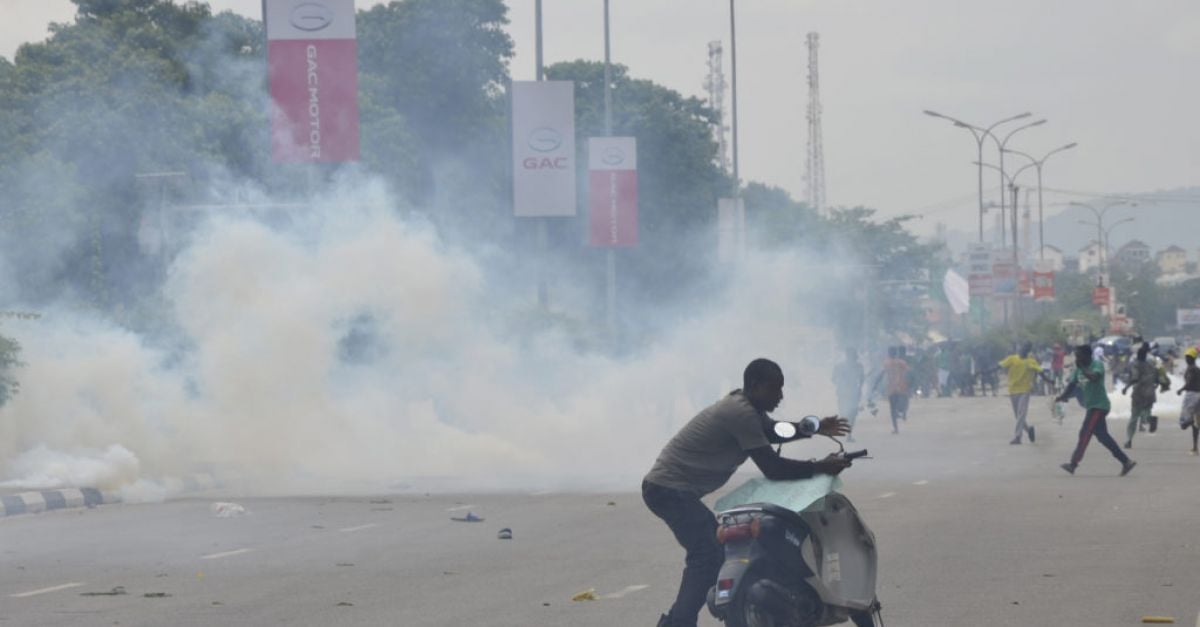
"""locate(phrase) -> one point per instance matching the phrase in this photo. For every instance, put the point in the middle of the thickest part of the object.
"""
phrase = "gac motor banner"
(313, 77)
(543, 126)
(612, 191)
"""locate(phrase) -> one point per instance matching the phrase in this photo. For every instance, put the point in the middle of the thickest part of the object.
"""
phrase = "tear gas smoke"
(353, 350)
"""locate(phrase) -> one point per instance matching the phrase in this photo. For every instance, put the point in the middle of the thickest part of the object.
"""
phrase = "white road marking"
(360, 527)
(457, 508)
(887, 495)
(620, 593)
(921, 482)
(31, 593)
(541, 493)
(216, 556)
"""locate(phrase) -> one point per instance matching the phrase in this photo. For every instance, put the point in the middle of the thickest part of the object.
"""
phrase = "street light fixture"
(1003, 144)
(979, 133)
(1099, 224)
(1038, 164)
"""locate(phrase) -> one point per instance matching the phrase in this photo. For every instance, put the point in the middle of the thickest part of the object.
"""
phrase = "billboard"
(612, 191)
(1187, 317)
(312, 72)
(1043, 286)
(1004, 279)
(979, 269)
(543, 140)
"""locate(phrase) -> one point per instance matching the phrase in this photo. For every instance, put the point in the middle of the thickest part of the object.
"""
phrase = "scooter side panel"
(843, 552)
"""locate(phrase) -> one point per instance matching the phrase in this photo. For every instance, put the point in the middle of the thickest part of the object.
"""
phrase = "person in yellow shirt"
(1021, 370)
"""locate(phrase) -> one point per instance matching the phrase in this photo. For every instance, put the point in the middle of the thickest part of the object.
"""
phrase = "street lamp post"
(1099, 224)
(1011, 181)
(1038, 163)
(979, 133)
(1002, 144)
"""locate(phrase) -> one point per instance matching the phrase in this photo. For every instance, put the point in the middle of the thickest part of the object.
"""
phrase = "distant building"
(1071, 264)
(1053, 257)
(1172, 260)
(1089, 257)
(1133, 253)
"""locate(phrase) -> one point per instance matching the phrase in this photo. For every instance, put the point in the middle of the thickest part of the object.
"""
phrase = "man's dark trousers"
(695, 528)
(1094, 424)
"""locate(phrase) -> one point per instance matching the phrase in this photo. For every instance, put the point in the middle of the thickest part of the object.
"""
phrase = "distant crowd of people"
(955, 368)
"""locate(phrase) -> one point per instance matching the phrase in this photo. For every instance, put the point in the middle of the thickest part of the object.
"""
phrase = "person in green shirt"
(1021, 369)
(1089, 376)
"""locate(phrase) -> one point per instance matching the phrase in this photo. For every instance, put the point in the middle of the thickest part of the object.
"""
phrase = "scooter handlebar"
(856, 454)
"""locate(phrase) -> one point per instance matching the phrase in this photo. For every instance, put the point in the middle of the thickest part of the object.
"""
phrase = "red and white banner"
(613, 191)
(1101, 296)
(312, 60)
(1043, 286)
(543, 126)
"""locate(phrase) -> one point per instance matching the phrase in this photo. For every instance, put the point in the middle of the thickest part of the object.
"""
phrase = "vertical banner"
(543, 127)
(1004, 278)
(312, 60)
(1043, 281)
(979, 269)
(731, 229)
(612, 191)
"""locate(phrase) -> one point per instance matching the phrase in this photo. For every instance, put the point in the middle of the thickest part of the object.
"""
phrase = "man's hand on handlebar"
(834, 426)
(832, 465)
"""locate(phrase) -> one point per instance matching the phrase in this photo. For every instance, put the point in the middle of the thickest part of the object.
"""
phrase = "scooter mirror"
(785, 430)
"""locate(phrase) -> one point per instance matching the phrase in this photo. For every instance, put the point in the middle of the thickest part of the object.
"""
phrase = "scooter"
(797, 554)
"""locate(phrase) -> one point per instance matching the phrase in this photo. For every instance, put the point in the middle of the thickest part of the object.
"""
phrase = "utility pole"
(542, 239)
(816, 149)
(611, 292)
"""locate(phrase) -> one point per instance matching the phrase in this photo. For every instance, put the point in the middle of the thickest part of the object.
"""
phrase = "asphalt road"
(971, 530)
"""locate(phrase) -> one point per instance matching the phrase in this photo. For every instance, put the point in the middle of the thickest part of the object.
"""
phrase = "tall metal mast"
(715, 86)
(816, 150)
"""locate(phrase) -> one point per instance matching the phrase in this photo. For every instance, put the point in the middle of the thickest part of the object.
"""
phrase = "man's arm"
(778, 468)
(1067, 393)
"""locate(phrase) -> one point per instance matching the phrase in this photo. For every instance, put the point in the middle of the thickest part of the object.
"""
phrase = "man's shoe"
(1016, 440)
(1127, 466)
(1032, 436)
(1069, 467)
(1129, 444)
(664, 621)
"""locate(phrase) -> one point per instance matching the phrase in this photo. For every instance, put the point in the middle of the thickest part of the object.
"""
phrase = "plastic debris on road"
(227, 510)
(1158, 619)
(586, 595)
(505, 534)
(470, 517)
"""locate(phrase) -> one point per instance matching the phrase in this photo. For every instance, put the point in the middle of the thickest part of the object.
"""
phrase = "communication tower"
(715, 86)
(816, 151)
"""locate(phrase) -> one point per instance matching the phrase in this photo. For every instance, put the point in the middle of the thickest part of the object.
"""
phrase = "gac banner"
(612, 191)
(543, 126)
(313, 75)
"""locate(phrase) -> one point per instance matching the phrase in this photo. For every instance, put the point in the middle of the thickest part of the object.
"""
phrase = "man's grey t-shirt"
(707, 451)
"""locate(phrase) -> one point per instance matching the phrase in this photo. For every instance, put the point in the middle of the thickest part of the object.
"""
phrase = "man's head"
(1190, 356)
(1143, 352)
(891, 351)
(1083, 355)
(901, 351)
(762, 383)
(1026, 348)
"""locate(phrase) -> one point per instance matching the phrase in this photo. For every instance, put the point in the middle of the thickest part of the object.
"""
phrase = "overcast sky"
(1119, 77)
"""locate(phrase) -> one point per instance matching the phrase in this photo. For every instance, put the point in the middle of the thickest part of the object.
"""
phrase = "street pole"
(1001, 145)
(542, 292)
(1038, 163)
(737, 182)
(611, 292)
(979, 133)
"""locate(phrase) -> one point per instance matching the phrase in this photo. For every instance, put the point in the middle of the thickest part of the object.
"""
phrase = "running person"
(1089, 376)
(1021, 368)
(1143, 378)
(1188, 415)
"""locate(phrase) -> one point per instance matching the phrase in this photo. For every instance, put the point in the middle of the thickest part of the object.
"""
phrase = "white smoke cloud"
(354, 350)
